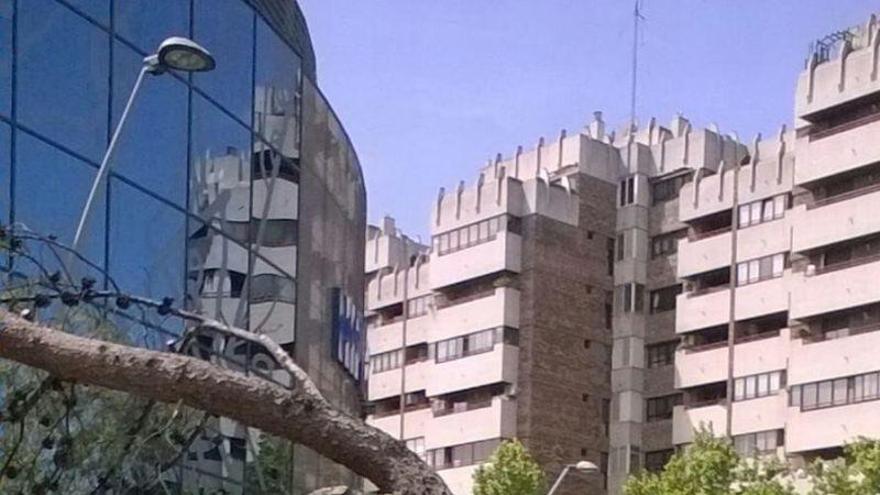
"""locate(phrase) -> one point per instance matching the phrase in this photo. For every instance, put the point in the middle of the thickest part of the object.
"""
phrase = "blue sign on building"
(348, 340)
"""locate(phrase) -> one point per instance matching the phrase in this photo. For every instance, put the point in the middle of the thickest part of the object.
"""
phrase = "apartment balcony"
(814, 361)
(708, 364)
(500, 254)
(387, 383)
(498, 365)
(837, 153)
(827, 91)
(460, 480)
(843, 217)
(702, 309)
(390, 336)
(498, 420)
(762, 414)
(830, 427)
(501, 308)
(843, 286)
(414, 425)
(703, 253)
(688, 419)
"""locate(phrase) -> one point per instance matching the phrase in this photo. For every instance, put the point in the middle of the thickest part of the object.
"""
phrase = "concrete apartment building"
(510, 310)
(782, 301)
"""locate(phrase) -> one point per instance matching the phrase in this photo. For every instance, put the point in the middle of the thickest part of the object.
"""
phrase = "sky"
(429, 90)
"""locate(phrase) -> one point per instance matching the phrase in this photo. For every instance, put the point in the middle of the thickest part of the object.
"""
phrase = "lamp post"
(582, 466)
(176, 53)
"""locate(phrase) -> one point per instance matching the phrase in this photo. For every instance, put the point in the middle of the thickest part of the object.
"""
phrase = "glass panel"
(152, 149)
(778, 264)
(756, 213)
(742, 273)
(768, 210)
(763, 385)
(97, 9)
(739, 389)
(147, 248)
(872, 382)
(5, 57)
(72, 82)
(51, 189)
(779, 206)
(277, 93)
(825, 393)
(145, 23)
(795, 399)
(5, 169)
(840, 391)
(751, 386)
(225, 28)
(754, 270)
(744, 215)
(219, 193)
(809, 396)
(775, 381)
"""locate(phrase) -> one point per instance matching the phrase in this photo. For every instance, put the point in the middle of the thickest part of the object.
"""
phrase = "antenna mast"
(637, 16)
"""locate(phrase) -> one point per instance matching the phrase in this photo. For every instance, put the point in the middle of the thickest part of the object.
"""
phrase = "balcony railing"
(742, 339)
(462, 407)
(708, 290)
(844, 196)
(696, 236)
(704, 347)
(851, 331)
(720, 401)
(864, 260)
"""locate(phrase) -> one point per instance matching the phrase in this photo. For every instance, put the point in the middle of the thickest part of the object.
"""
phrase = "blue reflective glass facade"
(236, 192)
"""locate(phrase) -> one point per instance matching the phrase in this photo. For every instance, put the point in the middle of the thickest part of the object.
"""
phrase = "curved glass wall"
(235, 192)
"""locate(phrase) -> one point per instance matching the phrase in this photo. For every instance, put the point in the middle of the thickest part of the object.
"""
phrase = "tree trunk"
(300, 415)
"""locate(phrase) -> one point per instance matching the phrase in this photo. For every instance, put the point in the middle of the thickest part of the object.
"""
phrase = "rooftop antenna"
(637, 16)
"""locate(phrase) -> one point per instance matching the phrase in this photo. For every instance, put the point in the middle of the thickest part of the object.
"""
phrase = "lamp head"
(586, 467)
(184, 54)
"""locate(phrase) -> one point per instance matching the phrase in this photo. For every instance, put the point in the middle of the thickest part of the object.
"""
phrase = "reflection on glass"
(220, 194)
(277, 95)
(152, 149)
(5, 57)
(147, 244)
(225, 28)
(51, 188)
(62, 89)
(147, 22)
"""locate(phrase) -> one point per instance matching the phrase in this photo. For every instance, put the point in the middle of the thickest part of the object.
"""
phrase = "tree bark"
(300, 415)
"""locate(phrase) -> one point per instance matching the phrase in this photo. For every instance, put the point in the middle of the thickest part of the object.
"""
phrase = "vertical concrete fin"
(875, 52)
(479, 196)
(559, 144)
(500, 182)
(652, 130)
(519, 150)
(687, 143)
(698, 179)
(439, 206)
(812, 63)
(872, 24)
(497, 163)
(538, 156)
(755, 158)
(780, 154)
(722, 174)
(458, 194)
(845, 49)
(662, 155)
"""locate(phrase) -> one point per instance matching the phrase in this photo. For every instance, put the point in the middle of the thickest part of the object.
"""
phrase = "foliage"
(711, 466)
(857, 473)
(510, 471)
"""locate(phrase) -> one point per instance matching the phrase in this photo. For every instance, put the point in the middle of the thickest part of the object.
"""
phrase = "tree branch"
(300, 415)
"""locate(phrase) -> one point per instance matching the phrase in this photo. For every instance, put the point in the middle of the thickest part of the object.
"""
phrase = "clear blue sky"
(429, 89)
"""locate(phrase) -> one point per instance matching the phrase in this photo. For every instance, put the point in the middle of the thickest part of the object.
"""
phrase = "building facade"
(236, 192)
(780, 312)
(547, 284)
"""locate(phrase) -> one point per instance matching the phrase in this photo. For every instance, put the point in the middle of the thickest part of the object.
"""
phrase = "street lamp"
(176, 53)
(582, 466)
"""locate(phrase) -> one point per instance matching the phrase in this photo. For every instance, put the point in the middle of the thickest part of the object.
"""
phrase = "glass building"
(236, 192)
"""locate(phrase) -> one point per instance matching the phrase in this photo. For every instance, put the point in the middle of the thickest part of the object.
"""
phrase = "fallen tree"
(299, 414)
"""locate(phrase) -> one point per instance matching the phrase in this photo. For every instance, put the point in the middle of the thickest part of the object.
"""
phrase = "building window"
(606, 416)
(662, 354)
(418, 306)
(621, 246)
(475, 234)
(762, 442)
(417, 445)
(667, 189)
(762, 385)
(386, 361)
(836, 392)
(655, 461)
(664, 299)
(660, 408)
(666, 244)
(609, 256)
(631, 297)
(765, 268)
(461, 455)
(627, 191)
(468, 400)
(474, 343)
(763, 210)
